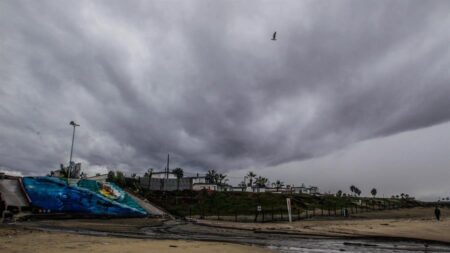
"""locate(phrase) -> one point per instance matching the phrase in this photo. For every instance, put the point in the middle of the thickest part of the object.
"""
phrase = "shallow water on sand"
(290, 243)
(332, 245)
(285, 243)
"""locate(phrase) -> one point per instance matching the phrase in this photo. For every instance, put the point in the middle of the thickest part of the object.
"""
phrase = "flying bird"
(274, 37)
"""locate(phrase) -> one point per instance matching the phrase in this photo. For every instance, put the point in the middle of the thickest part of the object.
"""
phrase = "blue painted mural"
(87, 197)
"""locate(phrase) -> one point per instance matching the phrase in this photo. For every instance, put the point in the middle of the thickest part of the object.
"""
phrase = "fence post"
(272, 213)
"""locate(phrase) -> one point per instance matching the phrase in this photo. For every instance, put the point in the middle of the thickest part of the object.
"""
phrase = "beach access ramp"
(12, 193)
(152, 209)
(13, 196)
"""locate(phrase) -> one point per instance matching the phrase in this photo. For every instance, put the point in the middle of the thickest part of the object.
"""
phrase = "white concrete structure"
(198, 180)
(163, 175)
(13, 196)
(312, 190)
(209, 187)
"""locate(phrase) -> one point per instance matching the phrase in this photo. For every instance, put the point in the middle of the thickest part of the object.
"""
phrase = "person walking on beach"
(437, 213)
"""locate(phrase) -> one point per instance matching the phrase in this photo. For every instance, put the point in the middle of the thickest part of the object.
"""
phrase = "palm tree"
(179, 174)
(352, 188)
(261, 182)
(278, 184)
(339, 193)
(242, 185)
(373, 192)
(222, 178)
(251, 175)
(358, 191)
(120, 178)
(111, 176)
(212, 177)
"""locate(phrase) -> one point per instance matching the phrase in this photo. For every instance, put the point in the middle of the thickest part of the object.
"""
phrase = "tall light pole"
(72, 123)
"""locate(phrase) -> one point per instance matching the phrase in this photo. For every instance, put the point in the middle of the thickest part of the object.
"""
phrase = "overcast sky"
(201, 80)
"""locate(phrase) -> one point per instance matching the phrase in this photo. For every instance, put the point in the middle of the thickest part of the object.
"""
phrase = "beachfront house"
(205, 186)
(163, 175)
(163, 181)
(311, 190)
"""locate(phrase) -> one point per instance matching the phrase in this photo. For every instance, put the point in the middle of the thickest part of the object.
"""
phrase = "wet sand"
(18, 239)
(410, 229)
(414, 223)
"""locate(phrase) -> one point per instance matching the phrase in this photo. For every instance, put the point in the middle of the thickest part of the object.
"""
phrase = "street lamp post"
(72, 123)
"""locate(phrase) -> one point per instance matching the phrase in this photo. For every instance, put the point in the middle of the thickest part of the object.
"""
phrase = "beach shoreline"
(413, 224)
(22, 239)
(404, 225)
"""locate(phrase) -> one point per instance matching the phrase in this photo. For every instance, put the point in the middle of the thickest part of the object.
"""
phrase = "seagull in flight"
(274, 37)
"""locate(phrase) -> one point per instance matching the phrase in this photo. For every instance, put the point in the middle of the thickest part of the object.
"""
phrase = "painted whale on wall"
(87, 197)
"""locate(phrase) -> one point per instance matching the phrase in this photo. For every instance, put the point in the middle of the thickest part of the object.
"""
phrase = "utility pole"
(167, 168)
(72, 123)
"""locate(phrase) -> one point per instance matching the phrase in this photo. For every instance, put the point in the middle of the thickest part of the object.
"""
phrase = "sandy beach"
(16, 239)
(414, 223)
(142, 235)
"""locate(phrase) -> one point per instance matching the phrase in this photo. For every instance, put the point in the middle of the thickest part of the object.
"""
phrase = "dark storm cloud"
(203, 81)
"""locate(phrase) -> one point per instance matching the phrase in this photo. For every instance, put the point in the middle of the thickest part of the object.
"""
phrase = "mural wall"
(87, 197)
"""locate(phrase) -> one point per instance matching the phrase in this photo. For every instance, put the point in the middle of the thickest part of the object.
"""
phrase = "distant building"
(272, 189)
(163, 175)
(73, 168)
(225, 188)
(159, 182)
(237, 189)
(311, 190)
(204, 186)
(259, 189)
(99, 178)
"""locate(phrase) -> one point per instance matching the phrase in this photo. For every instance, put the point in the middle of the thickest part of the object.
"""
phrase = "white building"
(206, 186)
(198, 180)
(163, 175)
(312, 190)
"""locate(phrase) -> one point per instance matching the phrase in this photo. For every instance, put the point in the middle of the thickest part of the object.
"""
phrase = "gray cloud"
(203, 81)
